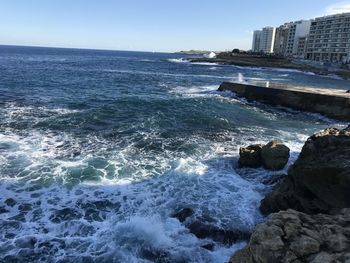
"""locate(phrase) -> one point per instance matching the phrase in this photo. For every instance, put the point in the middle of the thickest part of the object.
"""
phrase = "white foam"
(205, 63)
(196, 91)
(138, 72)
(178, 60)
(144, 189)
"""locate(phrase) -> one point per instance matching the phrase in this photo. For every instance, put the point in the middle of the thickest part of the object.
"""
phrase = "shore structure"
(328, 102)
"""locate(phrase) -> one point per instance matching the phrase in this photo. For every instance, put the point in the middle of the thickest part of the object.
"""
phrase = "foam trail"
(240, 78)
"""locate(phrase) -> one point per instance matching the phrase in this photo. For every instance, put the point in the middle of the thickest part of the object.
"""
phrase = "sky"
(150, 25)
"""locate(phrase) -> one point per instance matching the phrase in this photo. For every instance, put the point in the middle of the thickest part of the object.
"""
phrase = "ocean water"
(99, 148)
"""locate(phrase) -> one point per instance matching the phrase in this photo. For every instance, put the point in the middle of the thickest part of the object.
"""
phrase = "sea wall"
(331, 103)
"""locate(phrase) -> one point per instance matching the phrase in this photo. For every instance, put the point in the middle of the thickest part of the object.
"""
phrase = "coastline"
(269, 62)
(307, 211)
(149, 160)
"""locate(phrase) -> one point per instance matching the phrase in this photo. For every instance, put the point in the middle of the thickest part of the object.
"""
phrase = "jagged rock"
(291, 236)
(209, 247)
(319, 181)
(273, 179)
(225, 236)
(250, 156)
(183, 214)
(274, 155)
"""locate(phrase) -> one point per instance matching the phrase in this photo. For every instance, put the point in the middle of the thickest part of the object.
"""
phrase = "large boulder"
(250, 156)
(319, 181)
(291, 236)
(274, 155)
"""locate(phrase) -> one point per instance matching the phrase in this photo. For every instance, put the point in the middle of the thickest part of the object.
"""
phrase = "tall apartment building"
(267, 39)
(297, 31)
(329, 39)
(256, 41)
(281, 38)
(301, 48)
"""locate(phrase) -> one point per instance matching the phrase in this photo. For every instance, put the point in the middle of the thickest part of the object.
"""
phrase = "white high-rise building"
(297, 32)
(267, 39)
(256, 41)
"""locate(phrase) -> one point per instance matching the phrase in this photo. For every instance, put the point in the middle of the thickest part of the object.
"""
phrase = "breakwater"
(332, 103)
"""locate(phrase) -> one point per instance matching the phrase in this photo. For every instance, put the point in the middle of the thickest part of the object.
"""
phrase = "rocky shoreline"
(269, 62)
(309, 209)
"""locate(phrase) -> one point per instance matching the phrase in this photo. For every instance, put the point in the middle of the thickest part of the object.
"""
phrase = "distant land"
(194, 52)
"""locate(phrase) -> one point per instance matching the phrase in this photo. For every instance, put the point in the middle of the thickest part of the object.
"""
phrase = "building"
(267, 39)
(329, 39)
(256, 41)
(297, 31)
(301, 48)
(281, 38)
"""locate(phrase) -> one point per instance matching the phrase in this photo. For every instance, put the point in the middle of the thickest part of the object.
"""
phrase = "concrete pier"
(333, 103)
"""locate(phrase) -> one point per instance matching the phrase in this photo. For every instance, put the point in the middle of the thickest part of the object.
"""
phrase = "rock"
(225, 236)
(274, 155)
(10, 202)
(250, 156)
(3, 210)
(209, 247)
(65, 214)
(183, 214)
(202, 229)
(291, 236)
(273, 179)
(319, 181)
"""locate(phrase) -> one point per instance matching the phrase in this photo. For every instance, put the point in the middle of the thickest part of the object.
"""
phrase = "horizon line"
(85, 48)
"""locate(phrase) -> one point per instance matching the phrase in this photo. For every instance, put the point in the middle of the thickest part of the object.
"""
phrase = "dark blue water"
(99, 148)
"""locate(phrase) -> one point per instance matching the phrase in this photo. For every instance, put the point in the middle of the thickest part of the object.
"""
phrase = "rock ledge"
(291, 236)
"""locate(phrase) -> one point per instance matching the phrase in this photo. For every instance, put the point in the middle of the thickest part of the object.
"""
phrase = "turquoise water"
(100, 148)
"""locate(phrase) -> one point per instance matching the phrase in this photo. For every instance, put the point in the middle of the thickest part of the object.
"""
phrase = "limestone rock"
(274, 155)
(291, 236)
(319, 181)
(202, 230)
(250, 156)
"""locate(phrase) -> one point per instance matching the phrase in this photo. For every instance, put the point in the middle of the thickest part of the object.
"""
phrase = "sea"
(99, 150)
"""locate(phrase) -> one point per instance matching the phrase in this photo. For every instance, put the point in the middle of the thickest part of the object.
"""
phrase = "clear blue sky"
(159, 25)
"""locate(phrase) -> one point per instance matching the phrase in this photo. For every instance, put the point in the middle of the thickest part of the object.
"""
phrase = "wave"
(178, 60)
(110, 216)
(166, 74)
(148, 60)
(205, 64)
